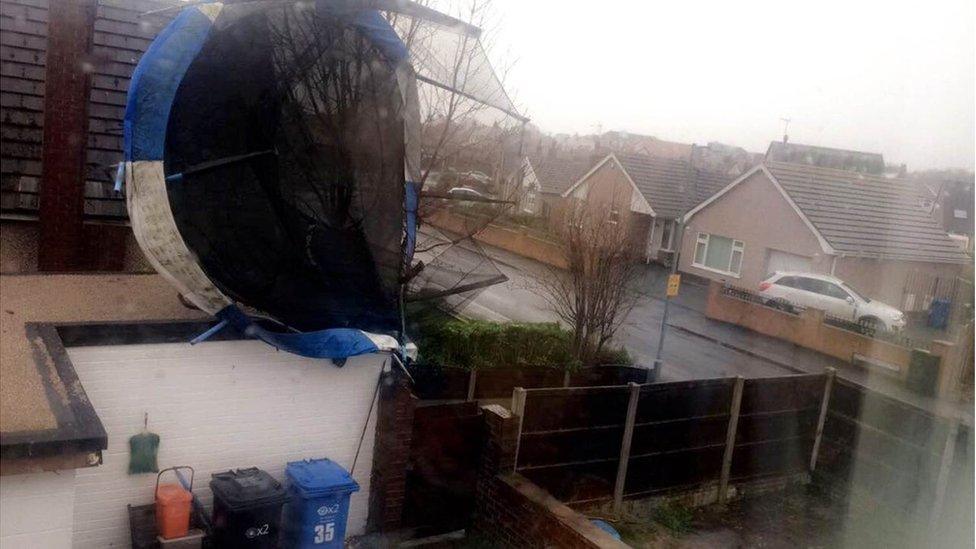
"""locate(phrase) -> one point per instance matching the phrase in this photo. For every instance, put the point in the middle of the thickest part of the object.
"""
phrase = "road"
(686, 355)
(695, 347)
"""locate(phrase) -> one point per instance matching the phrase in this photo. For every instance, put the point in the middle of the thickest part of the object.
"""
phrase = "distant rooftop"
(555, 175)
(826, 157)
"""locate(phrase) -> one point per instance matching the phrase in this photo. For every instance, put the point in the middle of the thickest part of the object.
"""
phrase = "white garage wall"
(37, 510)
(217, 406)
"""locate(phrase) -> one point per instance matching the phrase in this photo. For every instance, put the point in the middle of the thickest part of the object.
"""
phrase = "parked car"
(788, 289)
(464, 192)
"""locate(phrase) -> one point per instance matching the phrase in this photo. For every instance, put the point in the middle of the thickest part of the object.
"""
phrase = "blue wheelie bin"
(316, 514)
(939, 313)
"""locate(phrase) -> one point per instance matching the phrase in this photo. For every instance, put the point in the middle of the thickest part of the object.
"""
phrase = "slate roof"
(865, 214)
(826, 157)
(555, 175)
(671, 186)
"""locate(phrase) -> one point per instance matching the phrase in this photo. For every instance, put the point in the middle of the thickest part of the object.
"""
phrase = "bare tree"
(458, 130)
(598, 289)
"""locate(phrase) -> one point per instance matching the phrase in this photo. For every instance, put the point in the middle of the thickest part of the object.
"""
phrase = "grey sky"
(889, 77)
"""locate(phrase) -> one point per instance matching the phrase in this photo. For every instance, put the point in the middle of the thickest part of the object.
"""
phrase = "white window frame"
(737, 246)
(671, 225)
(614, 216)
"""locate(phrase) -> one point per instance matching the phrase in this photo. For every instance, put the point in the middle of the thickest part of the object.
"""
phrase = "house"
(86, 357)
(826, 157)
(866, 229)
(953, 206)
(546, 179)
(648, 193)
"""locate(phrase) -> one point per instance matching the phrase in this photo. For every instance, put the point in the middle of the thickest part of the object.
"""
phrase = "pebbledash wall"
(216, 406)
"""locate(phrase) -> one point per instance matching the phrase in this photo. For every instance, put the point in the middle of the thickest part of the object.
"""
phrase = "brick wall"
(805, 329)
(394, 433)
(511, 511)
(75, 61)
(515, 241)
(66, 81)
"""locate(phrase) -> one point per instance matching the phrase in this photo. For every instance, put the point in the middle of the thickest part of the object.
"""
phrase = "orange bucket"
(173, 507)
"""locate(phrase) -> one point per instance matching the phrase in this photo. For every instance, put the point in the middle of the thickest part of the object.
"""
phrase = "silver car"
(787, 289)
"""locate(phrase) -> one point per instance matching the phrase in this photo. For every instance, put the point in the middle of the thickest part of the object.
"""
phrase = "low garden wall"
(512, 240)
(511, 511)
(810, 328)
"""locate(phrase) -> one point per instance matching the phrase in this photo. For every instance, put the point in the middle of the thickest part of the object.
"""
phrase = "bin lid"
(316, 476)
(247, 488)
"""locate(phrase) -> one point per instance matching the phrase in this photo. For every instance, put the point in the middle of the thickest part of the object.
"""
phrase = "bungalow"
(649, 194)
(545, 180)
(866, 229)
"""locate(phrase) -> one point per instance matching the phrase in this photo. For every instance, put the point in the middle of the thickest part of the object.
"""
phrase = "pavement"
(695, 347)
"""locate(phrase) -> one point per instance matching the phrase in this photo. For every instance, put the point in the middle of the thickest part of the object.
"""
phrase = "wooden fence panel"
(574, 446)
(777, 425)
(783, 393)
(899, 456)
(770, 458)
(885, 414)
(576, 483)
(685, 399)
(675, 435)
(499, 382)
(607, 375)
(555, 409)
(668, 471)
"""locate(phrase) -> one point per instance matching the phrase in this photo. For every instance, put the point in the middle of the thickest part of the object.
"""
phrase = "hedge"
(477, 344)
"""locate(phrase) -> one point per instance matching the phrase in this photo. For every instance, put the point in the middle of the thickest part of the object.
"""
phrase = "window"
(788, 282)
(835, 291)
(719, 254)
(614, 216)
(667, 235)
(959, 214)
(528, 204)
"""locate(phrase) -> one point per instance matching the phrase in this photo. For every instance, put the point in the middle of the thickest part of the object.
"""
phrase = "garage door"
(784, 261)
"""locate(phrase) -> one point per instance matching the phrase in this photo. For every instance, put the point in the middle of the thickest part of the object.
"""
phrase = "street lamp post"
(658, 361)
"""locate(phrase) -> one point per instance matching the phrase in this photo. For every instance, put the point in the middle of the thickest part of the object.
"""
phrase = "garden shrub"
(477, 344)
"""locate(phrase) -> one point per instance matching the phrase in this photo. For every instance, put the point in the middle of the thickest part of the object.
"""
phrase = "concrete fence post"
(949, 363)
(518, 408)
(472, 383)
(822, 419)
(942, 481)
(631, 418)
(723, 484)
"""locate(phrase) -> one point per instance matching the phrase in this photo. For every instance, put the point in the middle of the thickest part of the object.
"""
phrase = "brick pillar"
(391, 453)
(497, 456)
(66, 89)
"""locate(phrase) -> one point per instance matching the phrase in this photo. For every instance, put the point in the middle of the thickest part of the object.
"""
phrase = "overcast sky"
(888, 77)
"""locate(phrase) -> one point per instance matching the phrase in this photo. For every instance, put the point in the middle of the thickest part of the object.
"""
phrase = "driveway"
(694, 347)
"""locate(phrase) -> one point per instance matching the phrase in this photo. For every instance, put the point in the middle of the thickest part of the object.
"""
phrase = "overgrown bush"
(476, 344)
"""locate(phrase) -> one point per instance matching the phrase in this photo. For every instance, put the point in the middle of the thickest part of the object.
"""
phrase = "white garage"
(784, 261)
